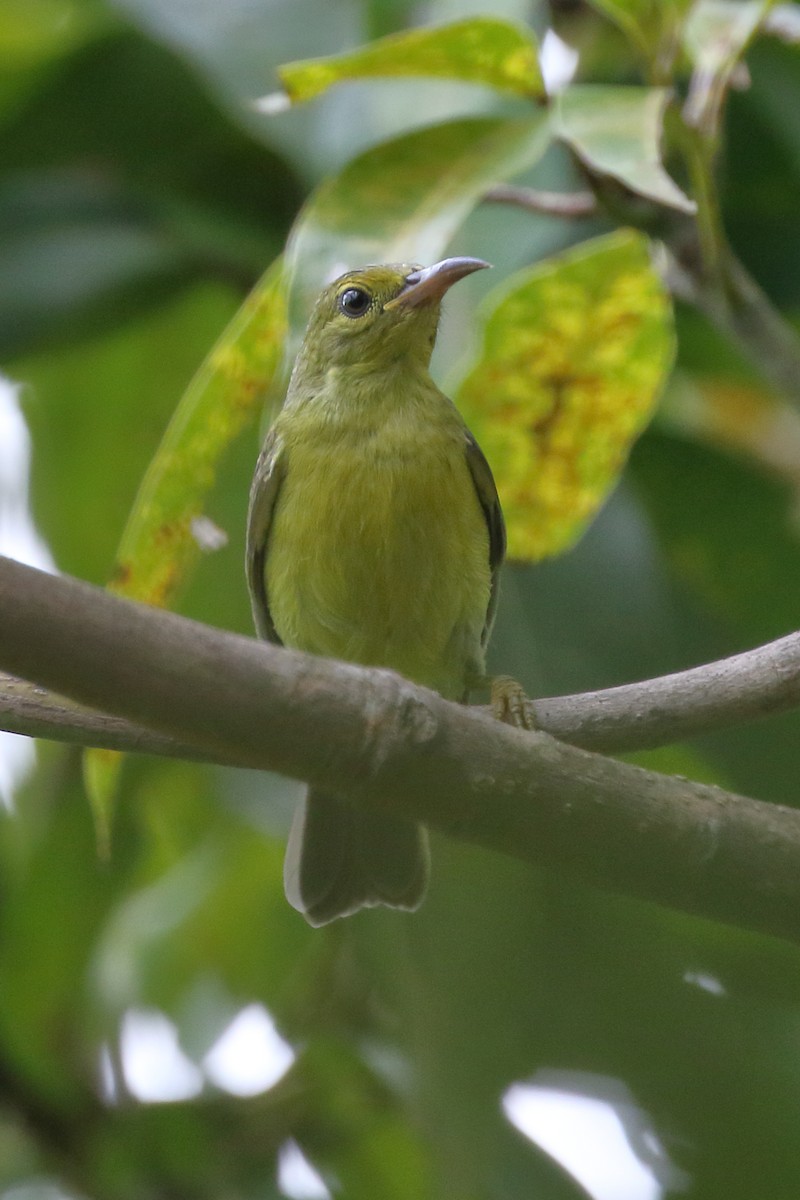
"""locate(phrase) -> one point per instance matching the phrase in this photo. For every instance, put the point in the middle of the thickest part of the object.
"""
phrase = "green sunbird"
(375, 535)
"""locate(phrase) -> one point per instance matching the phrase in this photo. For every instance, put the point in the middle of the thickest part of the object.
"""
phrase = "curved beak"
(427, 285)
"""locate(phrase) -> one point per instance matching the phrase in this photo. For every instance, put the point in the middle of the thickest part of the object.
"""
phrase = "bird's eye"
(354, 302)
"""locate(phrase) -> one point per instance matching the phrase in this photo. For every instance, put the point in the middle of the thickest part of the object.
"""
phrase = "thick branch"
(637, 716)
(33, 711)
(380, 740)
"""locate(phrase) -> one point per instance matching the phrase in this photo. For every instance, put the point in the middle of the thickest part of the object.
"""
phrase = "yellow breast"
(379, 552)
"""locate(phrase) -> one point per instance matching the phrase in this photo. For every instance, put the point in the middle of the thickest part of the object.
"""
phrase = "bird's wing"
(269, 475)
(483, 479)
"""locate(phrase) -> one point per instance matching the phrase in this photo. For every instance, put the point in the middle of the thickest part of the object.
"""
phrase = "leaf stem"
(711, 277)
(700, 152)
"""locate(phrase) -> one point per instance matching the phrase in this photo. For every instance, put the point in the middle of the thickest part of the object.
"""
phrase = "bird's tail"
(341, 858)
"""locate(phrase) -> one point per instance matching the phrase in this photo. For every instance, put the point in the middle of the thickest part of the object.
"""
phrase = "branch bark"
(636, 716)
(372, 736)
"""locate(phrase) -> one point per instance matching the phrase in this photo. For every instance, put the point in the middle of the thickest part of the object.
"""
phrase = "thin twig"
(551, 204)
(754, 325)
(686, 704)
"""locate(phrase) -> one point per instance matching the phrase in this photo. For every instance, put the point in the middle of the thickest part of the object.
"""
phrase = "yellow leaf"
(575, 355)
(166, 529)
(161, 542)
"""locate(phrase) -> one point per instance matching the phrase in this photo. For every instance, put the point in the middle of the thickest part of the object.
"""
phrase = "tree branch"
(685, 704)
(378, 739)
(636, 716)
(33, 711)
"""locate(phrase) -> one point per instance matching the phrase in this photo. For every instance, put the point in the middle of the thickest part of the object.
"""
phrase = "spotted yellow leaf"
(165, 533)
(167, 529)
(574, 357)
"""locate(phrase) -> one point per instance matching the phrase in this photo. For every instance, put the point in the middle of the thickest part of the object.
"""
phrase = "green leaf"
(650, 25)
(34, 30)
(574, 357)
(716, 36)
(36, 33)
(97, 222)
(53, 907)
(480, 50)
(617, 131)
(96, 409)
(727, 531)
(77, 254)
(403, 200)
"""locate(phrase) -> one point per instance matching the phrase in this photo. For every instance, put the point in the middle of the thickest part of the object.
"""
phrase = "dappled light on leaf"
(297, 1178)
(575, 354)
(249, 1056)
(155, 1068)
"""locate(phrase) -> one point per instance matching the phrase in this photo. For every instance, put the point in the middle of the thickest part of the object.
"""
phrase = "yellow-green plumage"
(374, 536)
(379, 599)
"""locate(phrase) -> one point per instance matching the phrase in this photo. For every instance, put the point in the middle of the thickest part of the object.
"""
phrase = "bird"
(374, 535)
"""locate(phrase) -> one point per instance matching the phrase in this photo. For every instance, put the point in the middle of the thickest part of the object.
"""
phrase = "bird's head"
(377, 315)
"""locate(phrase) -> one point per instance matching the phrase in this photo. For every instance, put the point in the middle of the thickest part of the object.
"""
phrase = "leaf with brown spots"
(575, 354)
(159, 544)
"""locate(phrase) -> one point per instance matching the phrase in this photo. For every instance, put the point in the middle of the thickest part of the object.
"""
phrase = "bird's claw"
(510, 704)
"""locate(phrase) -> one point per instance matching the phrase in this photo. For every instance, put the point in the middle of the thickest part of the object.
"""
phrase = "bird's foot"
(510, 704)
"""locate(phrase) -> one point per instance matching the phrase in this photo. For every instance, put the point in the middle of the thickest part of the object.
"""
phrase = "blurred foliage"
(142, 196)
(481, 50)
(617, 131)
